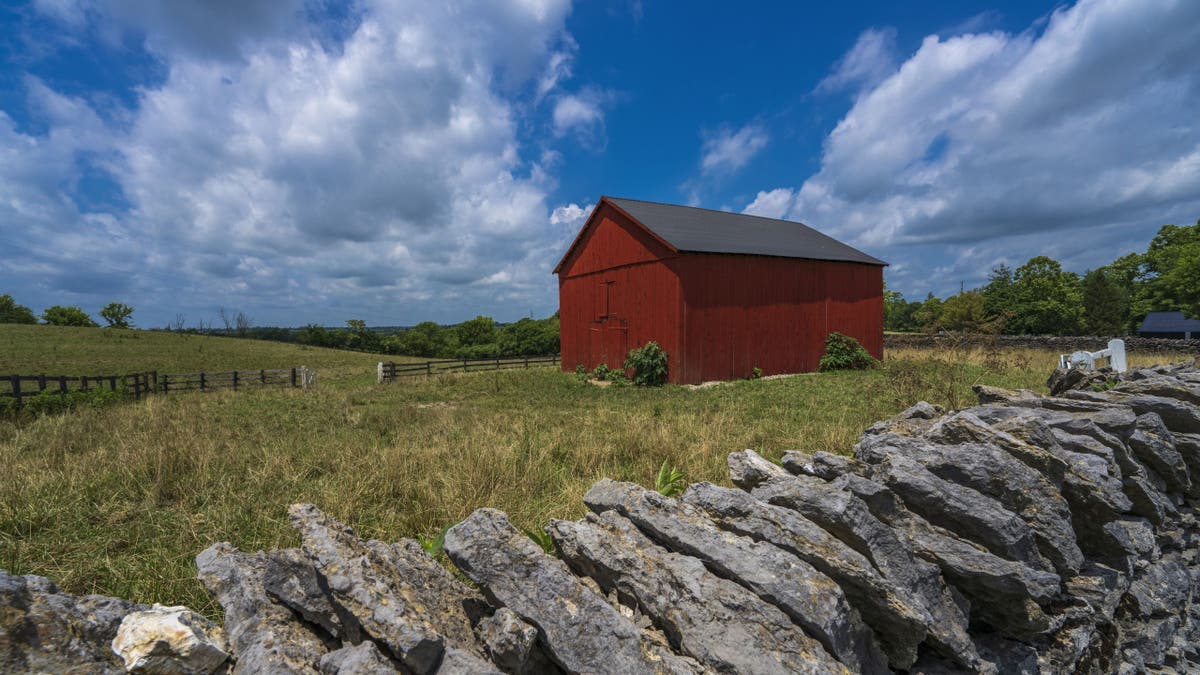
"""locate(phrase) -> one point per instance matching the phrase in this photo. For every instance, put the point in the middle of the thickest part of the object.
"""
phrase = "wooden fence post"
(201, 381)
(41, 383)
(112, 382)
(62, 384)
(154, 381)
(235, 380)
(428, 368)
(293, 377)
(15, 381)
(166, 382)
(379, 373)
(262, 376)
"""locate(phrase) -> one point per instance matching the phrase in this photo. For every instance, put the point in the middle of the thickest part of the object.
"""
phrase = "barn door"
(610, 332)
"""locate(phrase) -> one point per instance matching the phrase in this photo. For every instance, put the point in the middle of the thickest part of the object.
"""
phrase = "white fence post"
(379, 373)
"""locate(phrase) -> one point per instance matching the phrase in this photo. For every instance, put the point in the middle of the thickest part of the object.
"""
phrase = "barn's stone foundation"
(1027, 534)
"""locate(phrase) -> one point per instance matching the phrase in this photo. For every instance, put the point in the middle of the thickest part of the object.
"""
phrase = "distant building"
(722, 293)
(1169, 325)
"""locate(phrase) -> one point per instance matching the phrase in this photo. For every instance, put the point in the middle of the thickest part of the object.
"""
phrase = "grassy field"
(119, 500)
(62, 350)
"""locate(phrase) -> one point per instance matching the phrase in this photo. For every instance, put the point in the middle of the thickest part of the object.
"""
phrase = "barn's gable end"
(608, 240)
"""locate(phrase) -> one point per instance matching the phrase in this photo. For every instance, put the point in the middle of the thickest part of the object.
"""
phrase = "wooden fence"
(237, 379)
(24, 386)
(392, 371)
(138, 385)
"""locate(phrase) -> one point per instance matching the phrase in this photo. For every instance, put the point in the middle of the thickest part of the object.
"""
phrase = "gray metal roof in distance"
(703, 230)
(1169, 322)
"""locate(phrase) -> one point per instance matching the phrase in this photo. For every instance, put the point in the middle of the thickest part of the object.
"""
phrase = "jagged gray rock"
(363, 658)
(810, 598)
(1004, 593)
(849, 519)
(398, 594)
(716, 621)
(512, 643)
(900, 621)
(579, 630)
(43, 630)
(290, 578)
(950, 450)
(263, 636)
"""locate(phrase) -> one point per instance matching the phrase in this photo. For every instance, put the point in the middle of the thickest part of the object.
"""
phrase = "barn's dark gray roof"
(703, 230)
(1169, 322)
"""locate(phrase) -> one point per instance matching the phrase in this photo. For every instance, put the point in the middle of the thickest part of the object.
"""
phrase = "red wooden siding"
(611, 240)
(743, 312)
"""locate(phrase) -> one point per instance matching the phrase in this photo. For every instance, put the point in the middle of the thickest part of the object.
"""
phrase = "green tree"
(67, 316)
(1105, 304)
(478, 331)
(964, 312)
(1171, 272)
(117, 315)
(11, 312)
(998, 295)
(1046, 300)
(929, 315)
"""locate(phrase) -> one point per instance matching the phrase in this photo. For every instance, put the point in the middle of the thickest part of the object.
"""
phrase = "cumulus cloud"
(726, 150)
(1013, 144)
(314, 182)
(581, 116)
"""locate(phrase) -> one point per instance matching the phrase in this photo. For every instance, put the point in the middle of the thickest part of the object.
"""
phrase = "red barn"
(723, 293)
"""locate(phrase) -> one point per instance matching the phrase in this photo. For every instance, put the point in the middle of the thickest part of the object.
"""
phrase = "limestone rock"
(291, 579)
(360, 659)
(169, 641)
(43, 630)
(579, 630)
(389, 589)
(512, 643)
(900, 621)
(810, 598)
(263, 637)
(714, 620)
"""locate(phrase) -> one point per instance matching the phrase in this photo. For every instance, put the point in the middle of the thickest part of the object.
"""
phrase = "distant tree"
(359, 337)
(1171, 272)
(1105, 304)
(998, 295)
(964, 312)
(929, 315)
(67, 316)
(177, 324)
(478, 331)
(898, 313)
(117, 314)
(11, 312)
(1046, 300)
(242, 323)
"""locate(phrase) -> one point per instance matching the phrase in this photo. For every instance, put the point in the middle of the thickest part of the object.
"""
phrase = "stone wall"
(1065, 345)
(1027, 534)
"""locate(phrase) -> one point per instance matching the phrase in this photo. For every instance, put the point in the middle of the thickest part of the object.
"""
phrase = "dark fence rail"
(23, 386)
(236, 379)
(137, 385)
(392, 371)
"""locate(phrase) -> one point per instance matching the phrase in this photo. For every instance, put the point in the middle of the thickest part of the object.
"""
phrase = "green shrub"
(602, 373)
(52, 402)
(649, 365)
(756, 373)
(843, 352)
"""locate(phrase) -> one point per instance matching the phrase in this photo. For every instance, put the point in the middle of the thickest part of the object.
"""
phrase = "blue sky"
(314, 161)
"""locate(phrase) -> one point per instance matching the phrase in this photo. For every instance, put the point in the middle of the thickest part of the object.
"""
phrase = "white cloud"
(570, 215)
(383, 172)
(771, 204)
(726, 151)
(581, 116)
(1015, 143)
(869, 61)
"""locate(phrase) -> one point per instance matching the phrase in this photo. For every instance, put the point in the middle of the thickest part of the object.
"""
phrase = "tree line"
(1041, 298)
(115, 314)
(478, 338)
